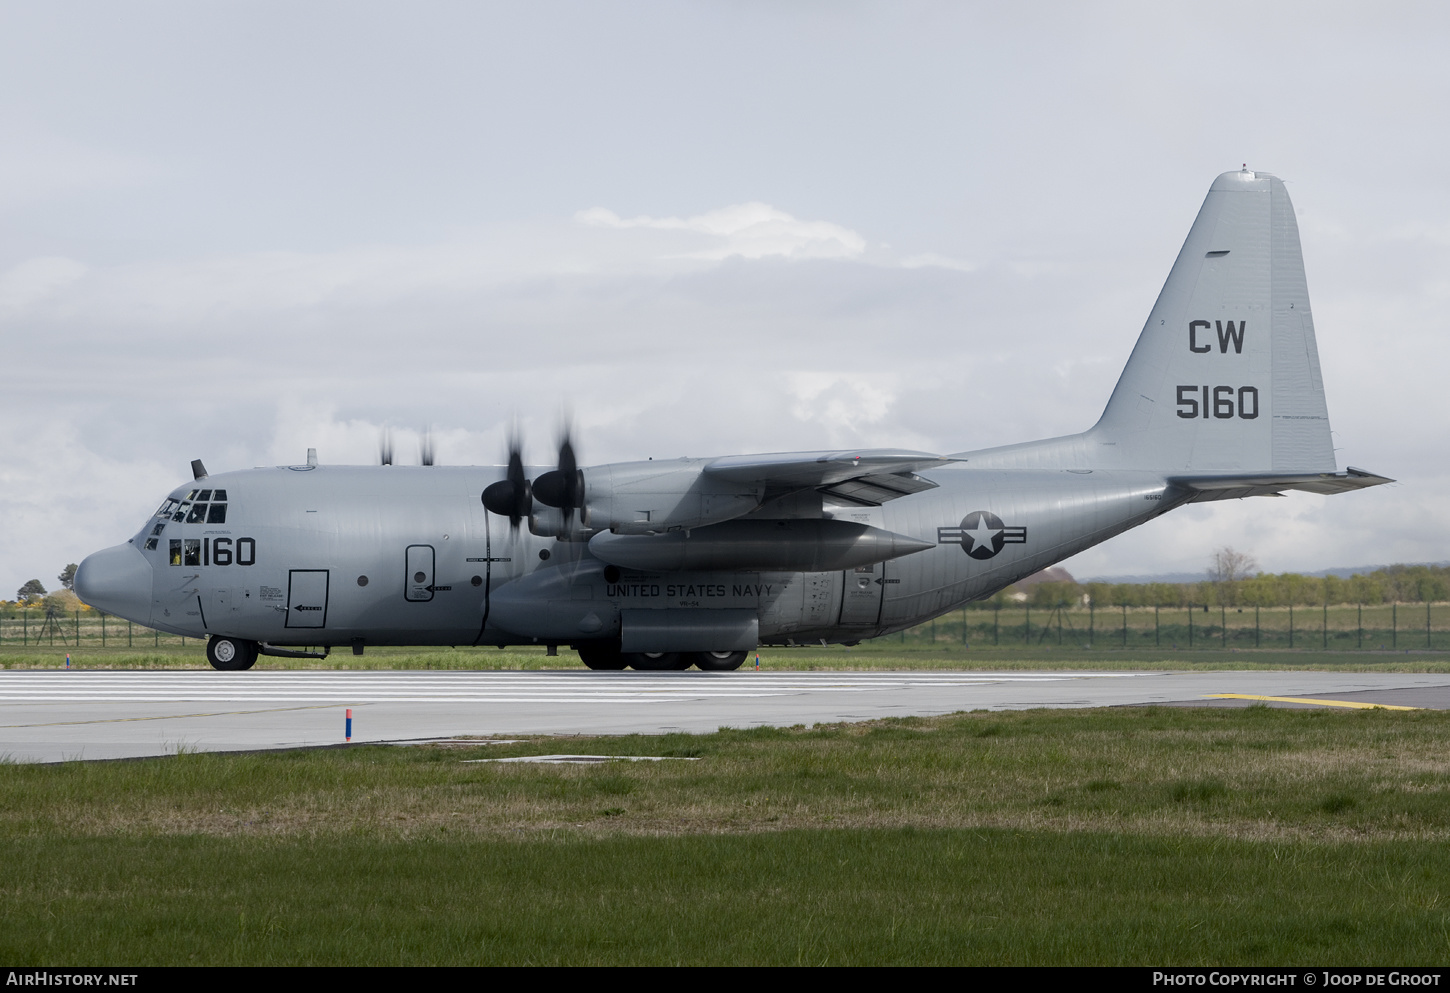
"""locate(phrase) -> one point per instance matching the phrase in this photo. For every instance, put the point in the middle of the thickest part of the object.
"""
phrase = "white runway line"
(465, 687)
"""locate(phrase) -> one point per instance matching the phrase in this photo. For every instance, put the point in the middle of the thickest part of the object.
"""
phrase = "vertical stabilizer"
(1225, 376)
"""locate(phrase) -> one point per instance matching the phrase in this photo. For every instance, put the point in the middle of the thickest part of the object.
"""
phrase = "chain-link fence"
(1340, 627)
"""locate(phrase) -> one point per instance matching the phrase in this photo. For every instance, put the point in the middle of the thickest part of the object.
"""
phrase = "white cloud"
(33, 281)
(935, 261)
(747, 230)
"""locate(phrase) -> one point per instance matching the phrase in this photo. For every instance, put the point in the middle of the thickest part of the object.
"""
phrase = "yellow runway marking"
(170, 717)
(1356, 704)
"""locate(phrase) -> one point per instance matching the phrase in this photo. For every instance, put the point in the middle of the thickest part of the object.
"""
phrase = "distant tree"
(67, 576)
(1226, 571)
(30, 592)
(1229, 566)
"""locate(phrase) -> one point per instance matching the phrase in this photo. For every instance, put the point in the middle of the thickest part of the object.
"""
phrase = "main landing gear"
(597, 656)
(231, 654)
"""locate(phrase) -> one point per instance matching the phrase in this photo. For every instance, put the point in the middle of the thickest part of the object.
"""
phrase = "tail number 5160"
(1222, 402)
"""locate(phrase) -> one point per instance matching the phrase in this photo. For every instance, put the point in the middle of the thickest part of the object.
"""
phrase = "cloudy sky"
(232, 231)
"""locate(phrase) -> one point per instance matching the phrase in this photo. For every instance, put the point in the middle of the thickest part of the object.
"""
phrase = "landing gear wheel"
(717, 661)
(657, 661)
(231, 654)
(601, 657)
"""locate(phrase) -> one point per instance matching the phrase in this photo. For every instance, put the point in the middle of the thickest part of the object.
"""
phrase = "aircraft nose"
(116, 580)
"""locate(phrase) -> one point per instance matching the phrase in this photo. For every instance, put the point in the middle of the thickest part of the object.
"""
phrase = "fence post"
(1026, 624)
(1190, 625)
(25, 627)
(964, 626)
(1092, 630)
(1360, 621)
(1325, 626)
(78, 629)
(1156, 640)
(1256, 625)
(128, 634)
(1427, 623)
(1291, 625)
(103, 629)
(1125, 625)
(1223, 623)
(1395, 625)
(996, 619)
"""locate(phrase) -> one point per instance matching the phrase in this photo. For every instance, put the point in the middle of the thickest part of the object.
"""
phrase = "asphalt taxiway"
(79, 715)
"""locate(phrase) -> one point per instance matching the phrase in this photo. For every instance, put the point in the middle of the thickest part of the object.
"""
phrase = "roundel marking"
(982, 534)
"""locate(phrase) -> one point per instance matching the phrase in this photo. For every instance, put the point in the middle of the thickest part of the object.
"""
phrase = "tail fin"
(1225, 376)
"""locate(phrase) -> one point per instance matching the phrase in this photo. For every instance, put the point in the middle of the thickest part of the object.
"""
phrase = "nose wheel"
(231, 654)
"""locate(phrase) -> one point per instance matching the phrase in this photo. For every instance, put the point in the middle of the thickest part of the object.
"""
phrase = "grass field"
(882, 654)
(1151, 836)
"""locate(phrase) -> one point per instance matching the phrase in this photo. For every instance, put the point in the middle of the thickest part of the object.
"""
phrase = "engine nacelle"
(659, 497)
(784, 545)
(551, 522)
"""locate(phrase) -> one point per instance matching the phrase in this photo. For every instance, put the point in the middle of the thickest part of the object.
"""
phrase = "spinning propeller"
(563, 488)
(385, 447)
(512, 496)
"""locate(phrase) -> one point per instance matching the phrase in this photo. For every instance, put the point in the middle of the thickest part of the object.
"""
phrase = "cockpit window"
(197, 514)
(180, 514)
(192, 494)
(204, 496)
(166, 508)
(220, 496)
(217, 514)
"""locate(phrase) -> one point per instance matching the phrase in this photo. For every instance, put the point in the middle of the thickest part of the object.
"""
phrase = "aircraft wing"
(867, 476)
(1205, 488)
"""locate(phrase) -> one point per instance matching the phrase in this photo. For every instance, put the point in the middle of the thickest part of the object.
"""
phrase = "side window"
(193, 551)
(158, 529)
(175, 551)
(150, 544)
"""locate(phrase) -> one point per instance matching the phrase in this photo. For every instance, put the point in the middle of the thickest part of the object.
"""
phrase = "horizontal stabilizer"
(1205, 488)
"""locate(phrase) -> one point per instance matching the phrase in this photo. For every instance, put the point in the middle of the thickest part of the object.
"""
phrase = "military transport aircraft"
(668, 564)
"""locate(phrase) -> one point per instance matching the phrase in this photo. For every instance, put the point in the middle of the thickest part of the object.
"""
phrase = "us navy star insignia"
(981, 534)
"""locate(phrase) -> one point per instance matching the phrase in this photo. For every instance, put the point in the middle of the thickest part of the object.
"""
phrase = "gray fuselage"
(397, 555)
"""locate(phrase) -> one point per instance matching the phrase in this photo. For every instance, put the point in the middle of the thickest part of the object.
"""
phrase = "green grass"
(1142, 835)
(885, 653)
(811, 897)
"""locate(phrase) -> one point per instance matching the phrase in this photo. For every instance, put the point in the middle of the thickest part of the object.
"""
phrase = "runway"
(62, 716)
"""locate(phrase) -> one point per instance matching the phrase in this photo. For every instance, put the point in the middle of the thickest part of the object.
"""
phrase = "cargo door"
(307, 598)
(861, 595)
(418, 584)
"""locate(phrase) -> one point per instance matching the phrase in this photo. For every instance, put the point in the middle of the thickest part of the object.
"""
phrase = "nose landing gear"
(231, 654)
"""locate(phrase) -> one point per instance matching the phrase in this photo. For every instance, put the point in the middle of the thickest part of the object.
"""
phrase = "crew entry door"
(418, 584)
(307, 598)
